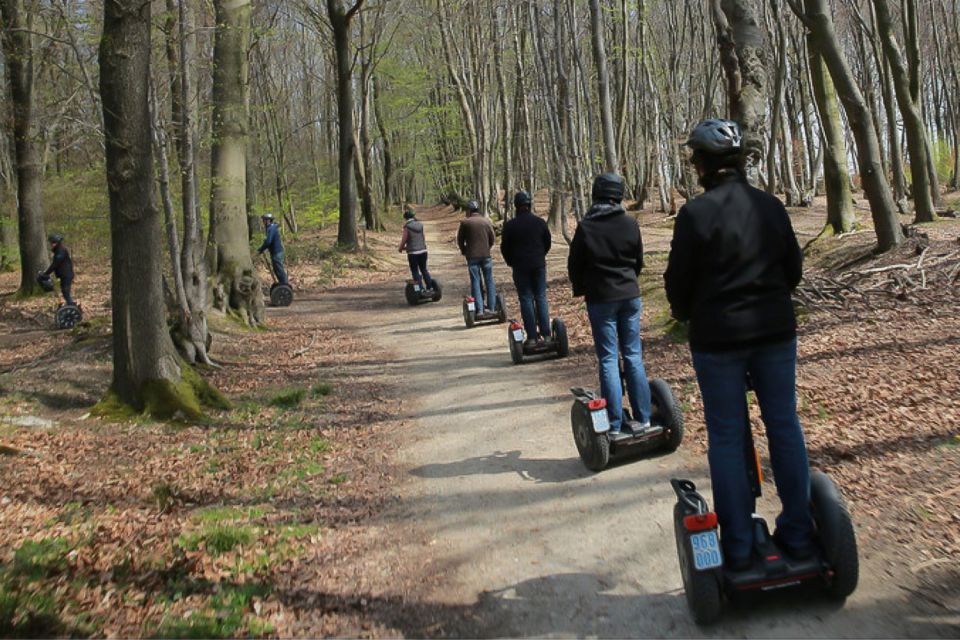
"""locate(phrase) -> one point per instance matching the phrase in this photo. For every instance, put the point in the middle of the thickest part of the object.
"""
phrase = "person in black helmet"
(274, 244)
(415, 244)
(605, 259)
(475, 238)
(734, 261)
(61, 266)
(524, 244)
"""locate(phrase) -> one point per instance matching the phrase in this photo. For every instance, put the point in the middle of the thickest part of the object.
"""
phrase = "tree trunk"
(818, 18)
(610, 160)
(836, 181)
(237, 286)
(340, 22)
(912, 120)
(385, 141)
(148, 375)
(18, 54)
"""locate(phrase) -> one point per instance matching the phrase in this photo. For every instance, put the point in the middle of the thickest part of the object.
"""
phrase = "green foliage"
(216, 515)
(319, 445)
(288, 398)
(218, 538)
(942, 158)
(41, 558)
(321, 389)
(227, 615)
(164, 494)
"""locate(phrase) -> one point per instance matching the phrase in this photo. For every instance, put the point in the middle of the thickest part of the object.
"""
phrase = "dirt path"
(509, 527)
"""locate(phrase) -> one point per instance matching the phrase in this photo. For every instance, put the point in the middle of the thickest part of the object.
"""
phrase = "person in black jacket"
(734, 261)
(524, 245)
(61, 266)
(606, 257)
(274, 245)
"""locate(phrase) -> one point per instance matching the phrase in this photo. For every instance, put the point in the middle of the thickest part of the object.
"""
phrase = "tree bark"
(237, 286)
(18, 52)
(610, 160)
(148, 375)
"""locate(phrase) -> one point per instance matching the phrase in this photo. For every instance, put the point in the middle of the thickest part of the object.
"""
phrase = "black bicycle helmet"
(522, 199)
(716, 137)
(409, 214)
(45, 281)
(473, 206)
(608, 186)
(55, 238)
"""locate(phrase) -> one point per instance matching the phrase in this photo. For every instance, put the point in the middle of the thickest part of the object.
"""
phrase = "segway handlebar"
(687, 494)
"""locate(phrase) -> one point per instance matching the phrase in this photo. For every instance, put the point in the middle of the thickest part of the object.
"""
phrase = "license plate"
(601, 422)
(471, 306)
(416, 287)
(518, 335)
(706, 550)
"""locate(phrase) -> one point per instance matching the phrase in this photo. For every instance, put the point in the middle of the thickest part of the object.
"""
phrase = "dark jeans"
(616, 329)
(276, 260)
(418, 268)
(66, 287)
(722, 377)
(532, 290)
(482, 267)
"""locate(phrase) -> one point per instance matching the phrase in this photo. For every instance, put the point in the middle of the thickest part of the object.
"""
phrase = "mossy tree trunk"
(148, 374)
(237, 287)
(18, 54)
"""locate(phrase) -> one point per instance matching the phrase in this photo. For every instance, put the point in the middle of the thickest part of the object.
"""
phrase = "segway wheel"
(516, 348)
(68, 316)
(411, 294)
(594, 448)
(559, 330)
(501, 309)
(703, 590)
(281, 295)
(469, 317)
(836, 534)
(437, 291)
(669, 414)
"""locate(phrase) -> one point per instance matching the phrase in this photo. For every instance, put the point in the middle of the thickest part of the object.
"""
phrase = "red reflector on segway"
(700, 522)
(470, 300)
(596, 405)
(773, 557)
(515, 325)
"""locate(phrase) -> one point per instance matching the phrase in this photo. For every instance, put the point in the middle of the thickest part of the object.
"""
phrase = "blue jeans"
(482, 267)
(418, 268)
(66, 287)
(722, 377)
(532, 290)
(616, 329)
(276, 261)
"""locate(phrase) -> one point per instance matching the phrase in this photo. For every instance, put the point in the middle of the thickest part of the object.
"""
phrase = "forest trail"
(507, 524)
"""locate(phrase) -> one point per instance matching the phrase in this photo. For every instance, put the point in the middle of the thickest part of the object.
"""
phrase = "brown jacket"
(475, 237)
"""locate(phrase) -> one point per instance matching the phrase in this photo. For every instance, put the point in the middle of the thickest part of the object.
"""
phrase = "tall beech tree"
(148, 374)
(18, 51)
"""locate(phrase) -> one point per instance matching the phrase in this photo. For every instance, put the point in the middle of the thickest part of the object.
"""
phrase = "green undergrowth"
(654, 298)
(166, 400)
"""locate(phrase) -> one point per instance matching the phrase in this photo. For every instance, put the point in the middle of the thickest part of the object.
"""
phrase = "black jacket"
(606, 255)
(62, 264)
(525, 242)
(734, 261)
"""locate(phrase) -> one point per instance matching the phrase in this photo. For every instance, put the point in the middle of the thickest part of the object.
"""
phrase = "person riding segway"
(281, 293)
(475, 238)
(605, 260)
(524, 245)
(414, 243)
(734, 261)
(68, 314)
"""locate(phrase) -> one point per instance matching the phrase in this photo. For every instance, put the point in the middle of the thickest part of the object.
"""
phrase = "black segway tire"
(594, 448)
(411, 294)
(469, 317)
(836, 534)
(68, 316)
(670, 414)
(281, 295)
(559, 330)
(516, 349)
(501, 309)
(703, 589)
(437, 291)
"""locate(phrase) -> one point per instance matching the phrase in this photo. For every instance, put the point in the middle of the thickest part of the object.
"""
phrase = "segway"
(67, 316)
(556, 343)
(835, 566)
(281, 295)
(591, 426)
(418, 294)
(473, 316)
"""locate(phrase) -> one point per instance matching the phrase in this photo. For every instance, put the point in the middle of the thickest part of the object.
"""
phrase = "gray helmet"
(522, 199)
(55, 238)
(267, 216)
(409, 214)
(473, 205)
(608, 186)
(716, 137)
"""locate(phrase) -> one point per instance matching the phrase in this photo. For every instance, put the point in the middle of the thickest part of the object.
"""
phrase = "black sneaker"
(738, 564)
(795, 553)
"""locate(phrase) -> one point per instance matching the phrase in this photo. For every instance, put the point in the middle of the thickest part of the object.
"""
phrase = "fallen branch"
(300, 352)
